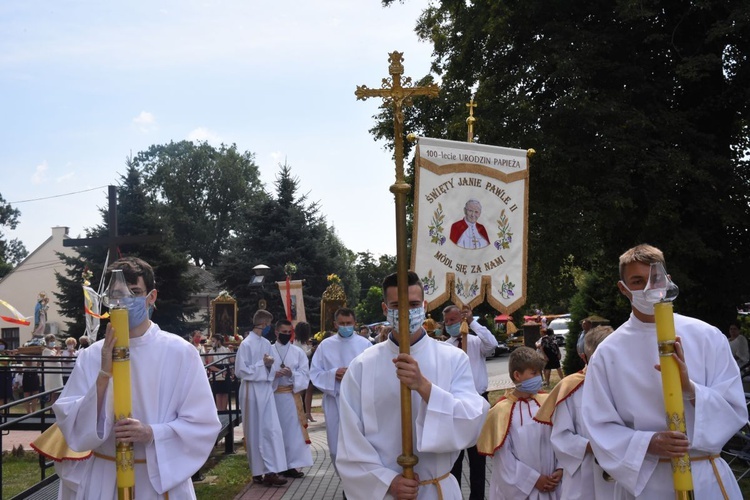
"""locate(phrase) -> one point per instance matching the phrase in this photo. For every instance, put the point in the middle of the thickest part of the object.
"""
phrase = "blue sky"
(87, 83)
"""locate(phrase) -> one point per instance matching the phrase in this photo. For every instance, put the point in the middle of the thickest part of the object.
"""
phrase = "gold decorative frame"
(224, 315)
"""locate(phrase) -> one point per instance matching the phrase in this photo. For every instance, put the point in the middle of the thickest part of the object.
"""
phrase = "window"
(11, 337)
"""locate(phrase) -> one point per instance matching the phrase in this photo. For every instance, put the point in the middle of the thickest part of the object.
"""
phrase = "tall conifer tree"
(137, 215)
(286, 228)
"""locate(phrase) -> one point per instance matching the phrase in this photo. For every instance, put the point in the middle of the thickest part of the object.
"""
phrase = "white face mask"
(639, 301)
(416, 318)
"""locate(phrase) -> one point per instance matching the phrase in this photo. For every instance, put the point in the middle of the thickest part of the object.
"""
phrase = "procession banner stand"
(483, 259)
(298, 303)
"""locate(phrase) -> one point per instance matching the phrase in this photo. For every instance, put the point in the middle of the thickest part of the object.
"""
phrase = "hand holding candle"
(672, 443)
(118, 294)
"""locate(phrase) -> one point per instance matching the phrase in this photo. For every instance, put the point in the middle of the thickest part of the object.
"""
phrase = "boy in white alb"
(523, 462)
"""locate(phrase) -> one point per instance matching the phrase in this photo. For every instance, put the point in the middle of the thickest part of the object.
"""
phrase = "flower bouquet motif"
(506, 288)
(436, 226)
(334, 291)
(429, 283)
(290, 268)
(86, 276)
(505, 237)
(467, 289)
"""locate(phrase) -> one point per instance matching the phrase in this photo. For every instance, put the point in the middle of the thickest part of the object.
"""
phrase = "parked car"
(514, 342)
(561, 327)
(502, 348)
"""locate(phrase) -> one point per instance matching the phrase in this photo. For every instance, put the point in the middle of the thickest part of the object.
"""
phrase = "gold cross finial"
(397, 94)
(470, 120)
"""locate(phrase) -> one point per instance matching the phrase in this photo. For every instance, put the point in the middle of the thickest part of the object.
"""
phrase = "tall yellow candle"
(123, 403)
(672, 388)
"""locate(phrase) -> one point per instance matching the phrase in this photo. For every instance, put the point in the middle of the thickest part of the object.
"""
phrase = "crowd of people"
(599, 433)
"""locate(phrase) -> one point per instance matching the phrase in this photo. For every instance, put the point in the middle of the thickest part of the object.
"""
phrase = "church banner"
(298, 303)
(469, 242)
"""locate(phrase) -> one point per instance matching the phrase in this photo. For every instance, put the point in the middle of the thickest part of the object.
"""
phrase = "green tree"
(137, 215)
(11, 251)
(371, 272)
(369, 309)
(639, 115)
(201, 190)
(285, 228)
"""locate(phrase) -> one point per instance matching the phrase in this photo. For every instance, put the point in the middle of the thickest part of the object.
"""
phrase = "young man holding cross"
(448, 413)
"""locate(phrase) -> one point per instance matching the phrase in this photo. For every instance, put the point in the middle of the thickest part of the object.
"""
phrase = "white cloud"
(277, 157)
(203, 134)
(65, 177)
(145, 121)
(40, 173)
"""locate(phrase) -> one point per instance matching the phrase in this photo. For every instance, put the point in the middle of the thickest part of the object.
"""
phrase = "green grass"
(232, 474)
(20, 473)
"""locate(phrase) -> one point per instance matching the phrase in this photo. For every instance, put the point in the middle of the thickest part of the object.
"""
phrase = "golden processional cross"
(398, 95)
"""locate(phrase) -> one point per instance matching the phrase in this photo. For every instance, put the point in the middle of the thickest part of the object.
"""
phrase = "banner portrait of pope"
(468, 233)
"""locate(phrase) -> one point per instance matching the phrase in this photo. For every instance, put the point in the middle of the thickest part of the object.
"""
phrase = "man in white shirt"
(623, 402)
(479, 346)
(738, 345)
(329, 364)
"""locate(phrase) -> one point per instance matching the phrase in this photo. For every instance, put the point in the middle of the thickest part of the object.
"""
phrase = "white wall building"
(21, 287)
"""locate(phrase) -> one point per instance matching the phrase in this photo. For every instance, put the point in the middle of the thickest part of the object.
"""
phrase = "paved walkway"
(322, 483)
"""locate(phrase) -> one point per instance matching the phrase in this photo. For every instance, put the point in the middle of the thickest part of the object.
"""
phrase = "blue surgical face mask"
(137, 310)
(453, 330)
(530, 385)
(346, 331)
(416, 318)
(266, 330)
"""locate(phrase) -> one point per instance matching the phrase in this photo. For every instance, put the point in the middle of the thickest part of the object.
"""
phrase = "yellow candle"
(672, 388)
(124, 457)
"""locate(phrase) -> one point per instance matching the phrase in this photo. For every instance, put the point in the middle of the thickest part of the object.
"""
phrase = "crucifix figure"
(398, 95)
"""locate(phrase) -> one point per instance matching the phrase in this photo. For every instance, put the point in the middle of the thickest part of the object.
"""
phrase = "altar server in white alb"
(329, 364)
(583, 478)
(623, 403)
(260, 420)
(447, 411)
(174, 423)
(292, 373)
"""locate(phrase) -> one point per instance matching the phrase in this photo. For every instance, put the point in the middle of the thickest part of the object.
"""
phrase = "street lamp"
(261, 270)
